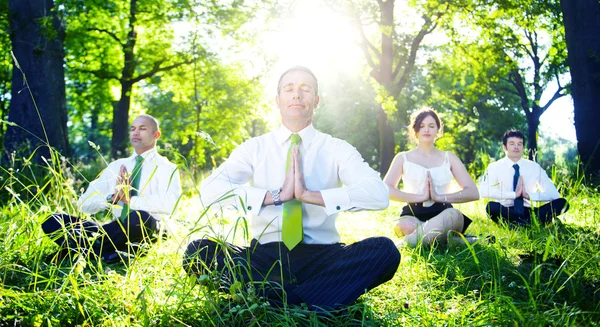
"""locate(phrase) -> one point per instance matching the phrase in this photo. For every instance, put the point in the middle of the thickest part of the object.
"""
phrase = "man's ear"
(317, 99)
(504, 147)
(157, 134)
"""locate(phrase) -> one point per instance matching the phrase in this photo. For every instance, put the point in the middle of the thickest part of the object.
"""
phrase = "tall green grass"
(537, 276)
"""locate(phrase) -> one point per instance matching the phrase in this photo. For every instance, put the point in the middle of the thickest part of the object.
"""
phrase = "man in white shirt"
(517, 182)
(141, 191)
(296, 247)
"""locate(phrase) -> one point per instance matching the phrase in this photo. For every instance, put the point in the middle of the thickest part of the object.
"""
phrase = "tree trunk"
(120, 123)
(37, 43)
(582, 23)
(533, 122)
(386, 142)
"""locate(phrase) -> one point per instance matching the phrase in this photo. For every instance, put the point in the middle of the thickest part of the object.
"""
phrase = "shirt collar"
(511, 163)
(147, 155)
(282, 134)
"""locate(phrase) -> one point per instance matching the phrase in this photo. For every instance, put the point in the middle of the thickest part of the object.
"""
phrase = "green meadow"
(537, 276)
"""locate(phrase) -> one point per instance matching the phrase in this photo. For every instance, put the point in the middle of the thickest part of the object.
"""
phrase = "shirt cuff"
(336, 200)
(254, 199)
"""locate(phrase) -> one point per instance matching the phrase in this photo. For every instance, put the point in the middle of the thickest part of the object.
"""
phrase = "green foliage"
(105, 56)
(346, 111)
(464, 86)
(528, 276)
(208, 118)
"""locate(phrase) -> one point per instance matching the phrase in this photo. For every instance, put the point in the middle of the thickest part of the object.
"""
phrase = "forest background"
(76, 71)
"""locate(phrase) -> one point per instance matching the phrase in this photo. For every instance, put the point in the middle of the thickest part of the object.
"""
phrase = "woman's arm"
(392, 178)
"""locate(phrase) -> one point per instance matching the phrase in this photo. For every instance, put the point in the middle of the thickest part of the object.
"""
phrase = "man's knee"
(562, 204)
(55, 222)
(387, 250)
(493, 208)
(141, 218)
(199, 253)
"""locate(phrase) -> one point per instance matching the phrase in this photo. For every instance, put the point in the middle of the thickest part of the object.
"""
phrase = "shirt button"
(249, 207)
(337, 208)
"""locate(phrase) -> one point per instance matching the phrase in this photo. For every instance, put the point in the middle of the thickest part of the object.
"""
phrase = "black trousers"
(324, 276)
(544, 213)
(74, 234)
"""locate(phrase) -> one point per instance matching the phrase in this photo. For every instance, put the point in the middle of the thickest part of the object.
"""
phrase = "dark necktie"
(518, 207)
(291, 227)
(135, 185)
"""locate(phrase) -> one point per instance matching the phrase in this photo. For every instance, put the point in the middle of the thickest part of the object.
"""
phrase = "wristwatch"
(275, 194)
(109, 198)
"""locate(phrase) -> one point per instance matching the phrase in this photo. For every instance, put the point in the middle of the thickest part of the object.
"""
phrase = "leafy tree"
(464, 85)
(582, 23)
(391, 53)
(206, 110)
(120, 52)
(528, 43)
(37, 106)
(107, 54)
(345, 111)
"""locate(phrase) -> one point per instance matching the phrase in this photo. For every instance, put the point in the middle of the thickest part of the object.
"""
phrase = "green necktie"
(135, 184)
(291, 229)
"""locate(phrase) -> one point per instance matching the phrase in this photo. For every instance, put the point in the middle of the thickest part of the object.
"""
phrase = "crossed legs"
(545, 213)
(73, 234)
(436, 228)
(325, 276)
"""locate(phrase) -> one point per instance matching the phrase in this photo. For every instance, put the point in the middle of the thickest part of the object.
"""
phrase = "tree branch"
(156, 69)
(366, 45)
(427, 28)
(557, 95)
(102, 74)
(517, 81)
(109, 33)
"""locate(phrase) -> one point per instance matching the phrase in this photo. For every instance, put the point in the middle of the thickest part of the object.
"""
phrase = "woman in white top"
(427, 173)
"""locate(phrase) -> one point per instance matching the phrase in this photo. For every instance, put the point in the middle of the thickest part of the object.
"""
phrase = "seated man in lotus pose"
(516, 183)
(140, 190)
(295, 193)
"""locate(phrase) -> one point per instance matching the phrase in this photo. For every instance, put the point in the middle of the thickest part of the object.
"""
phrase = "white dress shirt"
(497, 182)
(159, 188)
(327, 164)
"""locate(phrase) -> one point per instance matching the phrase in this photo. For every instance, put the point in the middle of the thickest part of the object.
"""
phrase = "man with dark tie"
(294, 181)
(141, 192)
(517, 183)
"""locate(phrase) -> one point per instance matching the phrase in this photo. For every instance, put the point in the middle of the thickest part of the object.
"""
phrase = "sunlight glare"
(315, 36)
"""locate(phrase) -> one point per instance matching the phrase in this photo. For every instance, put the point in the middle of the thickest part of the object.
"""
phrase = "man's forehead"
(141, 121)
(297, 77)
(515, 139)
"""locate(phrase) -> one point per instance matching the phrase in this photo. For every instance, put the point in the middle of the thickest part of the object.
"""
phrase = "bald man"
(140, 191)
